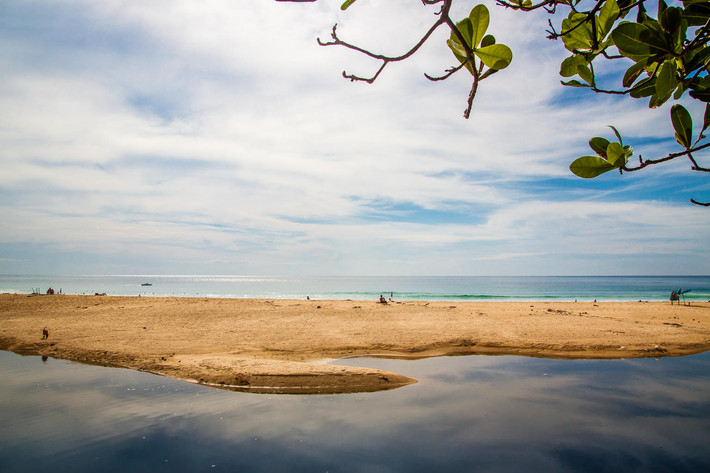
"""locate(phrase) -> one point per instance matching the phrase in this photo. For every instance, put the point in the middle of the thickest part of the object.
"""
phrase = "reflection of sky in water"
(472, 413)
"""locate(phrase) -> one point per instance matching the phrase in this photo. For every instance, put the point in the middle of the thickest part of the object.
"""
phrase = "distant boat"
(146, 284)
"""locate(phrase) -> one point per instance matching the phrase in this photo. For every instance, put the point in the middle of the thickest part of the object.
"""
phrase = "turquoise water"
(529, 288)
(468, 414)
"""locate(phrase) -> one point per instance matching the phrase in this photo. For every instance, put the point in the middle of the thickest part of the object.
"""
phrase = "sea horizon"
(435, 288)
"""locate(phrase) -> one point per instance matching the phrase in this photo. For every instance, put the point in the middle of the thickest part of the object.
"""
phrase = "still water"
(472, 413)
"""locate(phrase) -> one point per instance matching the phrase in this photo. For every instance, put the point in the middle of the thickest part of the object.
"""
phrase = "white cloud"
(219, 132)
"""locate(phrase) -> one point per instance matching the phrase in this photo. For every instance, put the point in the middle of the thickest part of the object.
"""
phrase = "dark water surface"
(472, 414)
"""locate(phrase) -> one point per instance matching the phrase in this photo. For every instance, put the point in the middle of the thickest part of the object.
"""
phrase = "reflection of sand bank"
(278, 345)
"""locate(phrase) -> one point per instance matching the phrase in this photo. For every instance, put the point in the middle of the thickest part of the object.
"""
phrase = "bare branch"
(704, 204)
(611, 92)
(547, 5)
(471, 96)
(449, 72)
(381, 57)
(649, 162)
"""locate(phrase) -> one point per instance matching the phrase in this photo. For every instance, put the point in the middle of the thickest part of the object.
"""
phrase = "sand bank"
(280, 346)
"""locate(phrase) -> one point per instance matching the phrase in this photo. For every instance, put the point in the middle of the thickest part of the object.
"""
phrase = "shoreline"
(278, 345)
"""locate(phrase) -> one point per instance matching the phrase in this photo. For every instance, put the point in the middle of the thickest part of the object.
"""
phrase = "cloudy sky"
(217, 137)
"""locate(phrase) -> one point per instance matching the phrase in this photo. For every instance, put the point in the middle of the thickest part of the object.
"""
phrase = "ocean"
(433, 288)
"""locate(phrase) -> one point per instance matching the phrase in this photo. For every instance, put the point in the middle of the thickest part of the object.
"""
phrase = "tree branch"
(544, 5)
(687, 152)
(381, 57)
(449, 72)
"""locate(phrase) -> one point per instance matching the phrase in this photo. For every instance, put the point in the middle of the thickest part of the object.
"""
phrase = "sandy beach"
(292, 346)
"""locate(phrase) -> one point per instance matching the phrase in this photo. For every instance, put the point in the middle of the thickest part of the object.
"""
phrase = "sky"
(218, 137)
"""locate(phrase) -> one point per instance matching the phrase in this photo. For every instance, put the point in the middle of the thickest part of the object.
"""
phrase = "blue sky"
(217, 137)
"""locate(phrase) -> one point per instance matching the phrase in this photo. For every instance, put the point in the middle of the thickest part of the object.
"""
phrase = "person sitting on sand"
(382, 300)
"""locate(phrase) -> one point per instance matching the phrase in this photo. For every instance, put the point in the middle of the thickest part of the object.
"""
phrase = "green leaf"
(667, 80)
(487, 73)
(459, 52)
(347, 3)
(697, 58)
(618, 135)
(700, 88)
(679, 91)
(645, 88)
(577, 37)
(466, 29)
(636, 40)
(488, 40)
(599, 145)
(657, 100)
(628, 152)
(633, 72)
(706, 118)
(697, 14)
(671, 18)
(586, 74)
(574, 83)
(568, 68)
(495, 56)
(615, 154)
(608, 14)
(702, 95)
(683, 125)
(679, 36)
(480, 18)
(588, 167)
(662, 5)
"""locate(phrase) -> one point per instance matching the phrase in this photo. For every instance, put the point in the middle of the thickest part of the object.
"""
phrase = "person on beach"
(382, 300)
(45, 333)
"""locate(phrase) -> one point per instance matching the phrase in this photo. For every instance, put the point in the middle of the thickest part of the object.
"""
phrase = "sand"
(289, 346)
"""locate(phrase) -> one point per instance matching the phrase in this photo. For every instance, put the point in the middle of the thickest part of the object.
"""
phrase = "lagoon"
(467, 413)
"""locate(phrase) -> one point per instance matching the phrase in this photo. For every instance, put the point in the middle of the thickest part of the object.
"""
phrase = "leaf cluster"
(669, 58)
(610, 155)
(470, 37)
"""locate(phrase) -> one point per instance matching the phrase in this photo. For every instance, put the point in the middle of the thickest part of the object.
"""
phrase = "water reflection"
(471, 413)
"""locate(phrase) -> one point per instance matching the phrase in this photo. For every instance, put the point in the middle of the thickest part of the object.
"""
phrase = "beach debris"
(622, 348)
(656, 348)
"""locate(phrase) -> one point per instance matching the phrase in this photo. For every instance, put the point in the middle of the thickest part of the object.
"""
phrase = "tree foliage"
(667, 57)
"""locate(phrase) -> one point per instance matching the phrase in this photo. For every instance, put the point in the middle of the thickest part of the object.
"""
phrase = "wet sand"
(284, 346)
